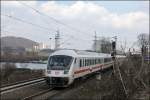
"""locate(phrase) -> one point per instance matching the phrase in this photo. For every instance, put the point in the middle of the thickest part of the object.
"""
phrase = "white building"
(42, 46)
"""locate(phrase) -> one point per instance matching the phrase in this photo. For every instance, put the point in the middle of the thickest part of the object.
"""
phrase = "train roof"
(79, 53)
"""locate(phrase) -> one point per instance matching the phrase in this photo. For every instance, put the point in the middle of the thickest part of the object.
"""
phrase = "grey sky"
(125, 19)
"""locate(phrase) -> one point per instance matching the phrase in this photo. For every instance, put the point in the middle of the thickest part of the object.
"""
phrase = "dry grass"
(10, 74)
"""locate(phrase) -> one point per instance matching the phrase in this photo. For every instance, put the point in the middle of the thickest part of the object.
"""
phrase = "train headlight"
(66, 71)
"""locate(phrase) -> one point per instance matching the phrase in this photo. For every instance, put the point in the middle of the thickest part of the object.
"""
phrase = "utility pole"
(116, 65)
(50, 43)
(114, 50)
(57, 37)
(95, 42)
(113, 54)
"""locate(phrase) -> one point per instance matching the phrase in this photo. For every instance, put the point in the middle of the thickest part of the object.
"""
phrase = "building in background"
(42, 46)
(102, 45)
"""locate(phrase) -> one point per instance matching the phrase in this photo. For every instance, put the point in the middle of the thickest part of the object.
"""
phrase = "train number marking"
(56, 73)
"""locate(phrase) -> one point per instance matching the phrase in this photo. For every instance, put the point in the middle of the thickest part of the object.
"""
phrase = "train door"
(75, 66)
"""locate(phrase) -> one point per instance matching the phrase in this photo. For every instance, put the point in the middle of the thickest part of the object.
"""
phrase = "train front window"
(59, 62)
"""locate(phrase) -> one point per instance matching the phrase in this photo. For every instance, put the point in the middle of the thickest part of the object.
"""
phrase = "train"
(65, 66)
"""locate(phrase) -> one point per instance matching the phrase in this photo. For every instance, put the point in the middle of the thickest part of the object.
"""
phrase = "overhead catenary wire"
(24, 21)
(44, 15)
(35, 25)
(39, 26)
(54, 19)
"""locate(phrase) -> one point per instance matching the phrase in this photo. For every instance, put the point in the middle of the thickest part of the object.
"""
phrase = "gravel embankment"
(25, 91)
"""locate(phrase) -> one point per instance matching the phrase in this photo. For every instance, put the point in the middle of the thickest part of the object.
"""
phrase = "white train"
(64, 66)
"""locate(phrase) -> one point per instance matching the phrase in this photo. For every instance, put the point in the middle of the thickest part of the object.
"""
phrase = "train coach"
(64, 66)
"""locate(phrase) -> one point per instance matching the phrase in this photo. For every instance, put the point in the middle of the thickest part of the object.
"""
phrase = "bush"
(7, 70)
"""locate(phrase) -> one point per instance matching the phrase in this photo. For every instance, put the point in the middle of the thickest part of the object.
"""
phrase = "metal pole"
(50, 42)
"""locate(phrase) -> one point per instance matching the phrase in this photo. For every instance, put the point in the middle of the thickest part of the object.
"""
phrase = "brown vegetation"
(110, 86)
(28, 56)
(10, 74)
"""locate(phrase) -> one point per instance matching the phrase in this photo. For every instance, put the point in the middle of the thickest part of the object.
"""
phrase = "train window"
(96, 61)
(93, 62)
(88, 62)
(75, 60)
(80, 63)
(99, 61)
(107, 59)
(83, 62)
(59, 62)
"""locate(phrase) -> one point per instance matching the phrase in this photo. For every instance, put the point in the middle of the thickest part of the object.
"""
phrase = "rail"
(37, 94)
(14, 83)
(5, 89)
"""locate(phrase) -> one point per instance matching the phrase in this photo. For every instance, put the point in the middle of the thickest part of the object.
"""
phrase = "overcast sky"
(76, 20)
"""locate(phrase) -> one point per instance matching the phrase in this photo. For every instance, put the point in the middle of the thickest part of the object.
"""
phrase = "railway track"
(2, 86)
(18, 85)
(41, 95)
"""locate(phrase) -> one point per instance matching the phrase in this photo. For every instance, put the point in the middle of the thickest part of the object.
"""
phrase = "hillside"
(14, 42)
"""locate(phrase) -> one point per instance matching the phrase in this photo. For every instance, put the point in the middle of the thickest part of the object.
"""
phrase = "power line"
(70, 38)
(23, 21)
(54, 19)
(18, 19)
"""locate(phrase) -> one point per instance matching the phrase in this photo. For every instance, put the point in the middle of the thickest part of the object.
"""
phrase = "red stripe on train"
(88, 69)
(80, 71)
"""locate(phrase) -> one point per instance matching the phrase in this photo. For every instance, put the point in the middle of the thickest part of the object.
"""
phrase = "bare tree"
(143, 41)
